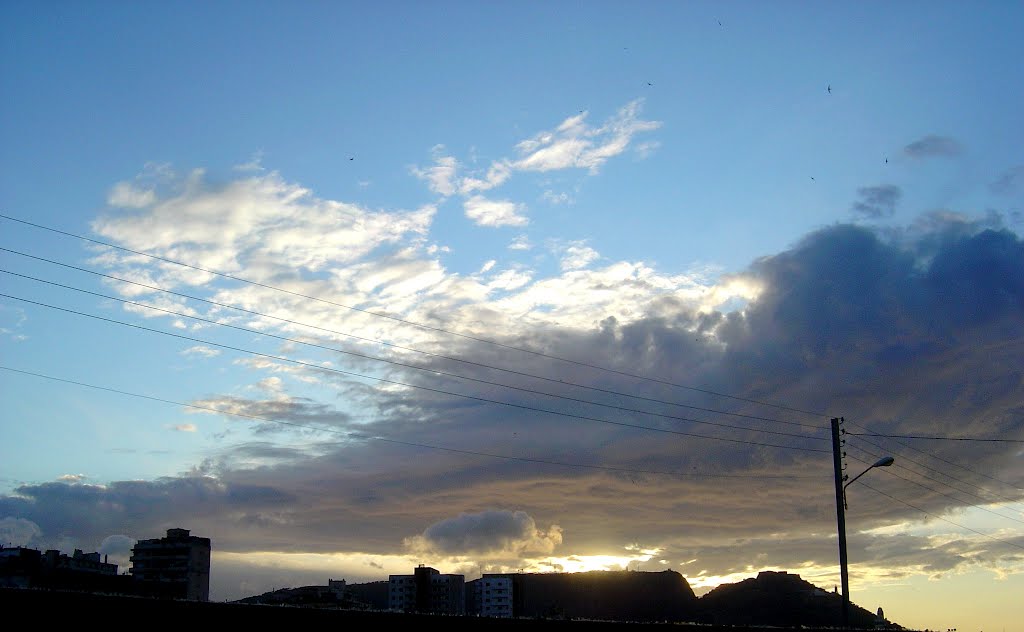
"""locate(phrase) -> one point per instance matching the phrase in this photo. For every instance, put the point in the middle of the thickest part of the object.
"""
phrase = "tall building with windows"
(178, 564)
(491, 596)
(427, 590)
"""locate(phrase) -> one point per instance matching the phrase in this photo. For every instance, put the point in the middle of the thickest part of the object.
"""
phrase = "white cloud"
(261, 223)
(644, 150)
(127, 195)
(72, 478)
(521, 242)
(441, 177)
(255, 163)
(499, 172)
(272, 384)
(571, 145)
(578, 256)
(184, 427)
(203, 350)
(494, 212)
(557, 198)
(575, 145)
(487, 266)
(510, 280)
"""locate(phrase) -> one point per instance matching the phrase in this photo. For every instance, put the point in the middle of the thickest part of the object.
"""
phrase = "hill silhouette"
(778, 598)
(772, 598)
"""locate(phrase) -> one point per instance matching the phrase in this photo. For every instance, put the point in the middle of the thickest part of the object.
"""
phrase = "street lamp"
(841, 511)
(885, 461)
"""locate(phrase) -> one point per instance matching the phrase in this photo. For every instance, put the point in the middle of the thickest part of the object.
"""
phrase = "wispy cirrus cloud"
(573, 144)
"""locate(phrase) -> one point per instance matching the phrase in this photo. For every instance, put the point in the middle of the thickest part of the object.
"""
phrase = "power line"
(426, 388)
(363, 437)
(409, 366)
(865, 434)
(412, 323)
(946, 461)
(991, 537)
(954, 498)
(396, 346)
(962, 491)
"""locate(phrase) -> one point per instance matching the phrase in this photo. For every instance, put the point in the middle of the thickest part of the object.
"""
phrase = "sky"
(349, 287)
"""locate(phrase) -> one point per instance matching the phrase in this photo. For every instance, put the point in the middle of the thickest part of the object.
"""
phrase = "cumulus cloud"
(578, 256)
(495, 212)
(487, 533)
(18, 531)
(72, 478)
(933, 146)
(117, 549)
(496, 175)
(441, 177)
(255, 222)
(901, 330)
(877, 202)
(127, 195)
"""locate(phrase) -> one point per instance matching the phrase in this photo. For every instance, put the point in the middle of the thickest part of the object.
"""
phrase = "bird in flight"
(830, 88)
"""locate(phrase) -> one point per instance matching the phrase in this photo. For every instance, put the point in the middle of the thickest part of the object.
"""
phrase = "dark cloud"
(877, 202)
(277, 415)
(90, 513)
(912, 331)
(933, 145)
(487, 532)
(1010, 181)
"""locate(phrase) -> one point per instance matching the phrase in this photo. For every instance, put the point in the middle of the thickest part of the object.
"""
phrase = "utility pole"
(837, 463)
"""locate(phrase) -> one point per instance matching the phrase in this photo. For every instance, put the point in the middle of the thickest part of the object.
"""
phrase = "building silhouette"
(427, 591)
(175, 566)
(490, 596)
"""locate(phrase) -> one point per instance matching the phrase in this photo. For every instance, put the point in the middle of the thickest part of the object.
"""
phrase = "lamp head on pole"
(885, 461)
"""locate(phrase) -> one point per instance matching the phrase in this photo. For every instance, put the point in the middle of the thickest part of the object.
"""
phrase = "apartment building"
(179, 564)
(427, 590)
(490, 596)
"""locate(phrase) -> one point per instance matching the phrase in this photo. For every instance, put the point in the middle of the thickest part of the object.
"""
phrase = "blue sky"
(808, 205)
